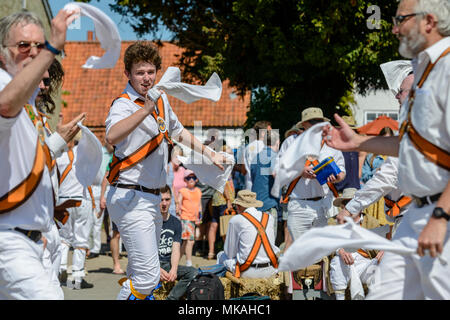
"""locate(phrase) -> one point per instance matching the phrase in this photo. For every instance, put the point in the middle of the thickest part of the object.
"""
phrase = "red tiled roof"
(92, 91)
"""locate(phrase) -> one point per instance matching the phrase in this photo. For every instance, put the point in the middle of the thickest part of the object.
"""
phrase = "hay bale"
(163, 292)
(274, 287)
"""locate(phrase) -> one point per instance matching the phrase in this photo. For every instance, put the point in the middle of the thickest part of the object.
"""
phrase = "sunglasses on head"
(25, 46)
(191, 178)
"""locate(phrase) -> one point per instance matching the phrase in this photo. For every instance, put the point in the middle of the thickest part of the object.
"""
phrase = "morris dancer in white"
(141, 130)
(26, 202)
(423, 148)
(385, 181)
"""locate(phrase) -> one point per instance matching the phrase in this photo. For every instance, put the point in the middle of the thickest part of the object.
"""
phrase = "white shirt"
(240, 237)
(18, 138)
(152, 171)
(384, 182)
(311, 188)
(431, 118)
(70, 187)
(284, 146)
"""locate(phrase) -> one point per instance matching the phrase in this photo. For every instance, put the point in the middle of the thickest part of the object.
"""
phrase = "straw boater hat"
(312, 113)
(347, 194)
(247, 199)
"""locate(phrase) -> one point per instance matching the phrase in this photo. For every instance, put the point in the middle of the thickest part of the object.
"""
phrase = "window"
(370, 116)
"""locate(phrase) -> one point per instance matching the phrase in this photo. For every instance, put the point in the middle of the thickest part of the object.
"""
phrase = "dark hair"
(261, 125)
(385, 131)
(166, 189)
(142, 51)
(56, 76)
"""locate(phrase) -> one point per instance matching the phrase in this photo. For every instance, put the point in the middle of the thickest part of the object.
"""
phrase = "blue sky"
(125, 30)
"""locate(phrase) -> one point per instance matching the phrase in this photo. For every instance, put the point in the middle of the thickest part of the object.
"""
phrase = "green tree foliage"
(292, 54)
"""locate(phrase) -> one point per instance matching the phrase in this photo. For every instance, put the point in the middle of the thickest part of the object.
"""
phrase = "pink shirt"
(178, 180)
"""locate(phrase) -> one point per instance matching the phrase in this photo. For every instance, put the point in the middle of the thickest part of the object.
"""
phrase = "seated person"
(169, 250)
(249, 249)
(349, 263)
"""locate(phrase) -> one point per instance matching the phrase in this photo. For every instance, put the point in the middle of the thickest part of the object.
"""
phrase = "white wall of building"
(375, 103)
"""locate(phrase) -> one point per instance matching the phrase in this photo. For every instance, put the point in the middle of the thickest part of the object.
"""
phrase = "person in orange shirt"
(189, 199)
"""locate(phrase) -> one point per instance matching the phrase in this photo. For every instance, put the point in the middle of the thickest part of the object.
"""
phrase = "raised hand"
(343, 138)
(69, 130)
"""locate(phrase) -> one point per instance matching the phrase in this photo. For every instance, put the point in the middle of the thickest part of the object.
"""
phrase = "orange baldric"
(68, 168)
(432, 152)
(395, 207)
(261, 238)
(61, 214)
(118, 165)
(92, 196)
(23, 191)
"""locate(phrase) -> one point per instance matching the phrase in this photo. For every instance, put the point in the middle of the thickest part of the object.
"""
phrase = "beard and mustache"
(412, 43)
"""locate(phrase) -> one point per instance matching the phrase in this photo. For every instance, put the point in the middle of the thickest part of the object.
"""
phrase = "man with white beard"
(423, 148)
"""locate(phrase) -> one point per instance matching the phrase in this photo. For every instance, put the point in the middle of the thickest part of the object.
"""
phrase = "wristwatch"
(440, 213)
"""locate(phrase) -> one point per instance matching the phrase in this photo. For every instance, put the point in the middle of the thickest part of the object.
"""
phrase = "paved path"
(105, 282)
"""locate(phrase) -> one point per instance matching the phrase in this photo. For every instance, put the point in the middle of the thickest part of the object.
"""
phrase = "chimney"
(90, 35)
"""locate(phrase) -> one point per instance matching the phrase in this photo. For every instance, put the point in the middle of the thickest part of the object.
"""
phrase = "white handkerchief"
(317, 243)
(89, 157)
(106, 32)
(292, 161)
(171, 84)
(395, 72)
(207, 172)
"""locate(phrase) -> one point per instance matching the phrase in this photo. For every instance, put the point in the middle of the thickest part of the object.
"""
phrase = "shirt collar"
(436, 49)
(132, 93)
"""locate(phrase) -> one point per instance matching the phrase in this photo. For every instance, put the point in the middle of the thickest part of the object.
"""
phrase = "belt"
(423, 201)
(260, 265)
(34, 235)
(138, 187)
(312, 199)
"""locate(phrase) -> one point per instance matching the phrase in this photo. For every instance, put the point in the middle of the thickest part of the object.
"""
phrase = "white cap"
(395, 72)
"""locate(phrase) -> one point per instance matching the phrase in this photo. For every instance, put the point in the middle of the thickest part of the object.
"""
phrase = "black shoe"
(63, 277)
(93, 255)
(83, 285)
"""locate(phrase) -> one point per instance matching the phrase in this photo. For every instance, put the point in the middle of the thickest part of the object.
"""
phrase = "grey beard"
(411, 46)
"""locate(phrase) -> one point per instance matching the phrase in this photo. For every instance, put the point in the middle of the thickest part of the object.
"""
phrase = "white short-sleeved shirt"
(311, 188)
(240, 237)
(431, 118)
(18, 138)
(70, 187)
(152, 171)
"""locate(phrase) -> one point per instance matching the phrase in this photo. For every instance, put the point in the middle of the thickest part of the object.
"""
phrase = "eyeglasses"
(191, 178)
(25, 46)
(315, 121)
(402, 90)
(46, 81)
(398, 20)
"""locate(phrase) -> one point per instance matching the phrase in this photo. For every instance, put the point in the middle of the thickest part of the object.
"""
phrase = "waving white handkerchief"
(207, 172)
(89, 157)
(106, 32)
(292, 162)
(395, 72)
(172, 85)
(317, 243)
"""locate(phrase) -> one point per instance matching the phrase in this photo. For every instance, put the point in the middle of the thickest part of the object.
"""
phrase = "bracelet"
(52, 49)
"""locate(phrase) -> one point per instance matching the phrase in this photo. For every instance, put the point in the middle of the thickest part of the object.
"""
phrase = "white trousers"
(22, 274)
(306, 214)
(95, 240)
(340, 274)
(138, 218)
(75, 233)
(53, 252)
(412, 277)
